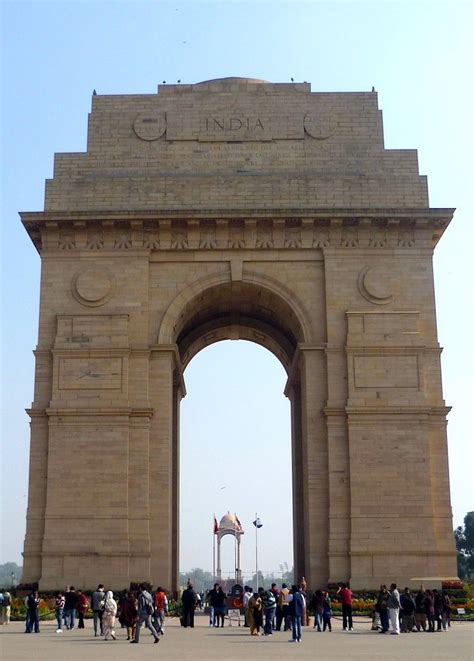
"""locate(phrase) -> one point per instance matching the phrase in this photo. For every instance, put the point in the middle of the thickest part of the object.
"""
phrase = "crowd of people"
(428, 610)
(132, 610)
(265, 610)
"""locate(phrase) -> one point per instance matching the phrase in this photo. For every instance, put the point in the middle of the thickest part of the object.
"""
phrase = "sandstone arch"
(238, 207)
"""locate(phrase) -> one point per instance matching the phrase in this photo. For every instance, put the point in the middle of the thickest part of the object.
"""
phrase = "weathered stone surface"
(237, 209)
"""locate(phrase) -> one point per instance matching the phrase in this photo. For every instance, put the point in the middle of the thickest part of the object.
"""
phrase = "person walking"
(346, 600)
(82, 606)
(393, 605)
(161, 608)
(110, 611)
(129, 614)
(59, 611)
(189, 606)
(32, 616)
(145, 611)
(70, 608)
(299, 608)
(97, 605)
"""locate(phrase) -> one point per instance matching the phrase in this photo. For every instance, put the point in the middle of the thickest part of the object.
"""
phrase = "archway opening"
(236, 456)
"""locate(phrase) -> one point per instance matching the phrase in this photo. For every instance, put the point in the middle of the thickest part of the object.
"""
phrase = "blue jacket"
(299, 604)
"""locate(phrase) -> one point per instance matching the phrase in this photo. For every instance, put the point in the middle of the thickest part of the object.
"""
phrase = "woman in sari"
(110, 611)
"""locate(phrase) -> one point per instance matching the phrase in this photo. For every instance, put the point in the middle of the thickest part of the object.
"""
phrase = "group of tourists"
(408, 613)
(133, 610)
(265, 610)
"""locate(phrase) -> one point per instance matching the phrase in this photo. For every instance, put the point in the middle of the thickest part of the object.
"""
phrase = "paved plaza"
(231, 643)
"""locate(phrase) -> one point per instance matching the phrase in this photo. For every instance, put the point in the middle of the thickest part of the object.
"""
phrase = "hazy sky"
(419, 58)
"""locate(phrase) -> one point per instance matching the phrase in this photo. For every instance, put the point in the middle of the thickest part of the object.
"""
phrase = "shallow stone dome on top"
(231, 79)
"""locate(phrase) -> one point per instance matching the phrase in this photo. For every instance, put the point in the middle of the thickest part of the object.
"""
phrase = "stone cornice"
(91, 413)
(386, 410)
(231, 229)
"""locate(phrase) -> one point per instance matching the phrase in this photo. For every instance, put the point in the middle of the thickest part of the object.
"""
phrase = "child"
(327, 612)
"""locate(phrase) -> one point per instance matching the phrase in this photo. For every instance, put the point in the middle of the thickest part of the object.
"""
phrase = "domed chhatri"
(228, 522)
(228, 525)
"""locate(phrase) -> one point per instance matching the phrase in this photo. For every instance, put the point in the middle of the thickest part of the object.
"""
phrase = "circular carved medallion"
(92, 287)
(375, 285)
(319, 127)
(150, 127)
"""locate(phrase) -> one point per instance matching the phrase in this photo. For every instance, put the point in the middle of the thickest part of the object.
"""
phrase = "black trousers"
(188, 616)
(346, 616)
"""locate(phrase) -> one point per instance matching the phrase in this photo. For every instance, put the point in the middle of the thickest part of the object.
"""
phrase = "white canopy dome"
(228, 522)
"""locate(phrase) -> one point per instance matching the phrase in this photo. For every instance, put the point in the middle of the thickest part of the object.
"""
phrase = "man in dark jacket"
(189, 605)
(32, 618)
(407, 612)
(70, 606)
(97, 605)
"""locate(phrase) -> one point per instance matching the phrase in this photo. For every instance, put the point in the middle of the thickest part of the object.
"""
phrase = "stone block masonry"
(235, 209)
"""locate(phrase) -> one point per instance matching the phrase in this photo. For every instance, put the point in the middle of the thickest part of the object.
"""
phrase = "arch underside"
(234, 311)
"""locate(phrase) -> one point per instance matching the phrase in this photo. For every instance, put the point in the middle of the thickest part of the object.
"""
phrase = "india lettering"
(234, 124)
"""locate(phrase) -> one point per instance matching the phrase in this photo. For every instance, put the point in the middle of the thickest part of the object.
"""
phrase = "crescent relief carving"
(375, 285)
(151, 126)
(92, 287)
(319, 127)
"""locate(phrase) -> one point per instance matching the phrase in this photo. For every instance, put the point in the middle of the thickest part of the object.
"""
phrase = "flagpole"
(213, 550)
(256, 548)
(235, 548)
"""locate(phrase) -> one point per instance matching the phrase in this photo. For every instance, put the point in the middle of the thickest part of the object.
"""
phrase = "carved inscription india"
(234, 127)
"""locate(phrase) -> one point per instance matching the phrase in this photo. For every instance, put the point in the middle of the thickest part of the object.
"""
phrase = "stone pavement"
(233, 643)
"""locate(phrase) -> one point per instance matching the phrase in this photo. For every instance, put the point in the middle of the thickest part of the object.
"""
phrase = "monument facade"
(237, 208)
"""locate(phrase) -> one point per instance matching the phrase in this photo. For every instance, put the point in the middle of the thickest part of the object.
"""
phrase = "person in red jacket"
(161, 607)
(346, 600)
(82, 606)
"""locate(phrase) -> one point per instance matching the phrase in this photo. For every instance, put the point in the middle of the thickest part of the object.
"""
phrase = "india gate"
(237, 209)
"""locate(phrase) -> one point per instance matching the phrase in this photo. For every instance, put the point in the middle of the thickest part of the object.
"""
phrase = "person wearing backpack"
(145, 611)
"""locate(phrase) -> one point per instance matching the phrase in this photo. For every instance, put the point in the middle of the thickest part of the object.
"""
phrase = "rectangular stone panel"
(385, 371)
(105, 330)
(90, 373)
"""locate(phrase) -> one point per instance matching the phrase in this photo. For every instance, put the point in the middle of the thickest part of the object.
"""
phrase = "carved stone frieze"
(242, 232)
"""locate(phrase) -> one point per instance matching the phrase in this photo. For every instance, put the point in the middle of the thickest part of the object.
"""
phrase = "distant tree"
(464, 538)
(201, 579)
(6, 571)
